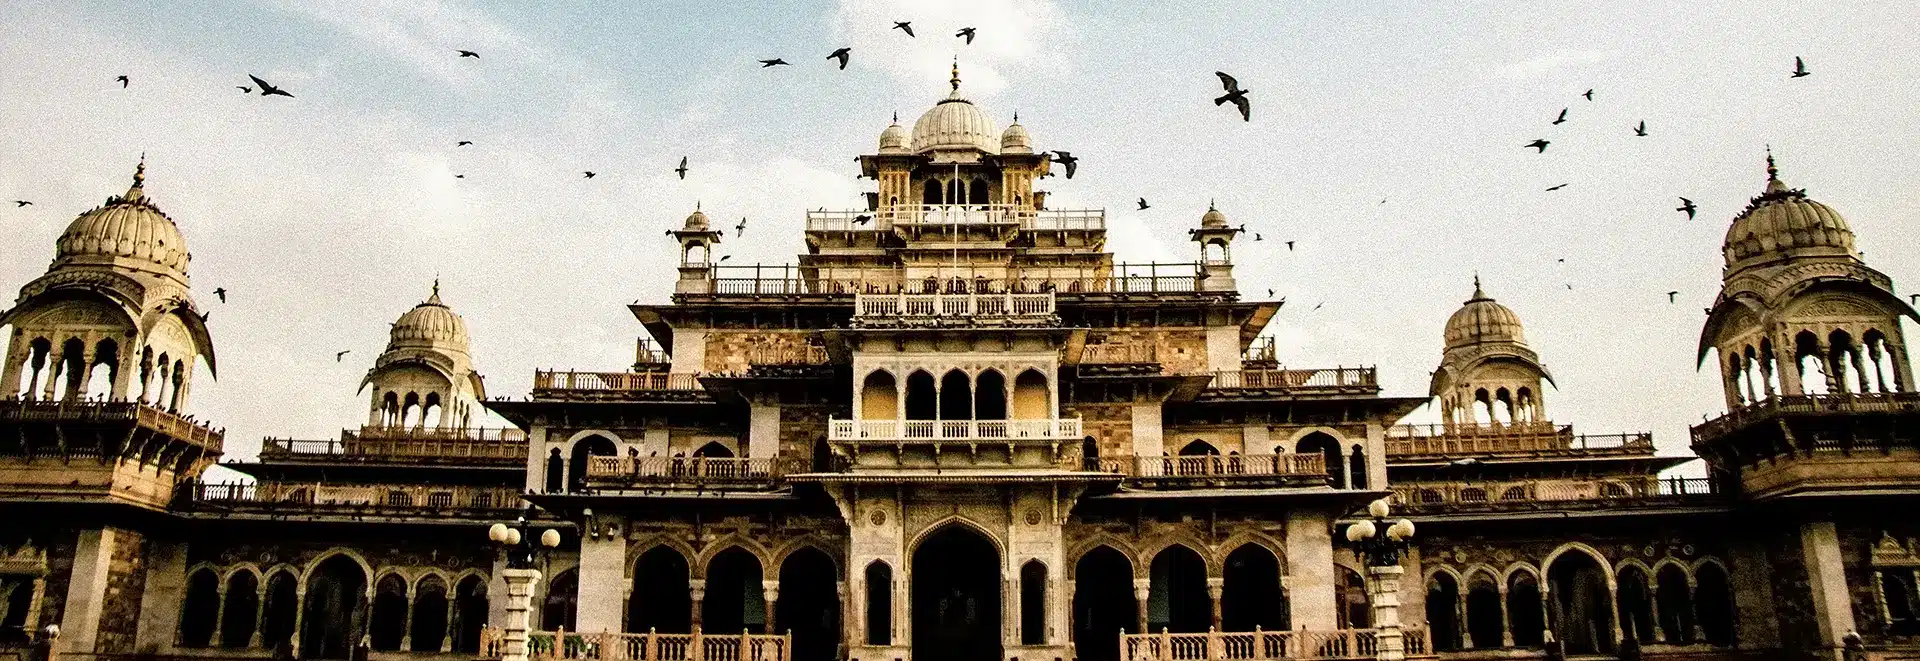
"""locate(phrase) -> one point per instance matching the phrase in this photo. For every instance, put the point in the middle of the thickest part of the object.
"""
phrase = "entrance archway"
(956, 596)
(591, 446)
(809, 605)
(735, 600)
(1582, 606)
(1250, 596)
(1103, 603)
(661, 601)
(1177, 598)
(562, 604)
(334, 615)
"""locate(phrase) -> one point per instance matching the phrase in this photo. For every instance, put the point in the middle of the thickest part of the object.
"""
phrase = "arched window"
(198, 614)
(1250, 596)
(1583, 606)
(931, 193)
(279, 611)
(1503, 406)
(1842, 356)
(921, 398)
(956, 192)
(1443, 606)
(1713, 600)
(1198, 447)
(1485, 626)
(469, 615)
(1636, 606)
(660, 600)
(1809, 363)
(388, 627)
(1428, 496)
(73, 370)
(1473, 495)
(1177, 598)
(1675, 599)
(809, 606)
(561, 608)
(1350, 596)
(1525, 618)
(104, 371)
(956, 396)
(879, 603)
(977, 193)
(1032, 398)
(735, 601)
(714, 449)
(1514, 494)
(242, 610)
(1357, 467)
(1322, 443)
(1033, 601)
(431, 412)
(879, 397)
(556, 471)
(583, 451)
(410, 410)
(335, 609)
(990, 398)
(429, 628)
(1103, 603)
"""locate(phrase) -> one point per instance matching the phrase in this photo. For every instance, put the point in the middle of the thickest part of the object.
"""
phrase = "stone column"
(1386, 611)
(520, 583)
(406, 619)
(1310, 577)
(1826, 579)
(219, 613)
(1142, 590)
(299, 618)
(446, 640)
(770, 592)
(1693, 601)
(697, 590)
(259, 617)
(87, 590)
(1506, 619)
(1216, 585)
(603, 583)
(1653, 609)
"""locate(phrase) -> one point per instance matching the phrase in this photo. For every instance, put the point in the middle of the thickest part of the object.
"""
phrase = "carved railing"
(1523, 493)
(376, 443)
(300, 497)
(690, 470)
(1120, 352)
(143, 415)
(1830, 404)
(988, 431)
(1520, 437)
(1215, 466)
(1257, 645)
(614, 381)
(1025, 217)
(787, 355)
(793, 280)
(650, 646)
(950, 306)
(1304, 380)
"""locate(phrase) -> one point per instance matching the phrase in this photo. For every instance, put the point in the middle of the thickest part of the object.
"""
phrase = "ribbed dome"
(430, 325)
(1783, 222)
(128, 230)
(696, 221)
(1213, 219)
(893, 140)
(954, 123)
(1481, 320)
(1015, 139)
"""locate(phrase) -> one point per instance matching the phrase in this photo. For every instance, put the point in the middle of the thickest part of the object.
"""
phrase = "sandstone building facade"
(956, 429)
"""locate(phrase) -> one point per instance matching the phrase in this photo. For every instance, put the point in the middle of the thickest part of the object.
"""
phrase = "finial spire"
(1016, 117)
(696, 206)
(1210, 205)
(896, 117)
(1773, 173)
(434, 299)
(1476, 286)
(139, 179)
(955, 80)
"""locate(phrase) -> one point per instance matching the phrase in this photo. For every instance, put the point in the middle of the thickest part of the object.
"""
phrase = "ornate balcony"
(965, 309)
(295, 498)
(953, 431)
(1022, 217)
(831, 281)
(698, 472)
(1214, 468)
(1118, 353)
(1291, 383)
(1266, 645)
(1534, 494)
(388, 444)
(556, 385)
(1514, 439)
(1839, 404)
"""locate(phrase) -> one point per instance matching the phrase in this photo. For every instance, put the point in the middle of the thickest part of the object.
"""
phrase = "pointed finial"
(1016, 117)
(1478, 294)
(896, 117)
(1773, 173)
(1210, 205)
(696, 206)
(139, 179)
(955, 80)
(434, 298)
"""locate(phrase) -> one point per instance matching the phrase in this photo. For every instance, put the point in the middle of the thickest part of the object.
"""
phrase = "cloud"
(1131, 239)
(1545, 64)
(1009, 33)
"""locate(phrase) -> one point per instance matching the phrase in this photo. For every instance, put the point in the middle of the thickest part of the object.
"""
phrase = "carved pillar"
(1142, 590)
(299, 617)
(1653, 608)
(1386, 612)
(513, 635)
(259, 617)
(1506, 618)
(219, 614)
(1216, 585)
(770, 592)
(697, 589)
(55, 362)
(446, 641)
(1693, 595)
(406, 619)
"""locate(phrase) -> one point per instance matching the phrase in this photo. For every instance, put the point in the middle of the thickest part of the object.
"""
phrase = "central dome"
(1783, 223)
(430, 325)
(1482, 320)
(955, 123)
(128, 231)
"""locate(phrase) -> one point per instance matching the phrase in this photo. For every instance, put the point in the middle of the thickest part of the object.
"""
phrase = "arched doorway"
(469, 615)
(990, 398)
(242, 610)
(956, 396)
(879, 397)
(1103, 604)
(809, 606)
(1350, 593)
(334, 616)
(1636, 605)
(735, 599)
(591, 446)
(714, 449)
(1250, 597)
(1675, 599)
(1033, 603)
(556, 471)
(1443, 607)
(1484, 627)
(429, 627)
(1525, 616)
(389, 623)
(276, 620)
(661, 601)
(1177, 598)
(879, 577)
(1328, 446)
(561, 608)
(1582, 605)
(956, 596)
(1713, 598)
(198, 614)
(920, 397)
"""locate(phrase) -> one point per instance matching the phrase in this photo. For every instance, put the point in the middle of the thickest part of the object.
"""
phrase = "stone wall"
(1110, 425)
(800, 427)
(1792, 591)
(126, 584)
(728, 351)
(1180, 351)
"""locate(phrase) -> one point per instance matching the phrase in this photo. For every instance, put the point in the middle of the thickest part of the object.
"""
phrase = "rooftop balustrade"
(1023, 217)
(706, 472)
(569, 380)
(1302, 381)
(563, 645)
(1536, 438)
(960, 307)
(373, 444)
(322, 497)
(956, 431)
(1530, 493)
(1120, 353)
(787, 355)
(1341, 644)
(815, 280)
(140, 415)
(1214, 466)
(1785, 405)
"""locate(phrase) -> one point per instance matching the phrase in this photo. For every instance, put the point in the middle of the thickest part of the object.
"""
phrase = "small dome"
(954, 123)
(1015, 140)
(1213, 219)
(127, 231)
(696, 221)
(893, 140)
(1481, 320)
(1783, 222)
(430, 325)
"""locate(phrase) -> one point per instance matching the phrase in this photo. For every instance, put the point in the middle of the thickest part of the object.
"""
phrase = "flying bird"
(1641, 130)
(740, 229)
(862, 219)
(463, 143)
(904, 26)
(1915, 298)
(965, 32)
(1538, 144)
(590, 174)
(1235, 94)
(468, 53)
(1316, 306)
(772, 63)
(725, 257)
(244, 89)
(843, 55)
(268, 90)
(1072, 162)
(459, 176)
(123, 81)
(1687, 206)
(21, 203)
(222, 293)
(1289, 246)
(1562, 119)
(1800, 68)
(342, 354)
(1256, 237)
(1555, 188)
(1672, 294)
(1143, 204)
(683, 168)
(1569, 286)
(1589, 95)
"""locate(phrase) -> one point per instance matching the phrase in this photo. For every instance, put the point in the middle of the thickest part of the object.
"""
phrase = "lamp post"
(523, 551)
(1380, 543)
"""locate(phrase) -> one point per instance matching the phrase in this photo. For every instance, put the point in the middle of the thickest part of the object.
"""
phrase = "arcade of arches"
(319, 611)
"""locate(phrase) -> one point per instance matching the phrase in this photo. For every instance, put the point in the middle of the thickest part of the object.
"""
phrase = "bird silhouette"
(683, 168)
(772, 63)
(725, 257)
(862, 219)
(1289, 246)
(463, 143)
(1562, 119)
(1555, 188)
(590, 174)
(1687, 206)
(1672, 294)
(740, 229)
(204, 316)
(1235, 94)
(459, 176)
(268, 90)
(1316, 306)
(21, 203)
(965, 32)
(1800, 68)
(244, 89)
(1914, 298)
(337, 356)
(1069, 160)
(222, 293)
(1257, 237)
(468, 53)
(1589, 95)
(1143, 204)
(1641, 130)
(1562, 260)
(1538, 144)
(904, 26)
(1569, 286)
(843, 55)
(123, 81)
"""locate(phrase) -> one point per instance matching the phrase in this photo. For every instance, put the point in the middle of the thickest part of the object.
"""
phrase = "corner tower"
(1488, 374)
(425, 378)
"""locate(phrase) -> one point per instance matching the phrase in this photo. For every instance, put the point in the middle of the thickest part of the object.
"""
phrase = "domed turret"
(430, 325)
(1213, 219)
(1015, 139)
(696, 221)
(128, 231)
(893, 140)
(1487, 373)
(1482, 320)
(1784, 223)
(425, 377)
(954, 123)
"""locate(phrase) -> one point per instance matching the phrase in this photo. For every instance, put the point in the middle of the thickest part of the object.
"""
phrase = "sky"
(1386, 142)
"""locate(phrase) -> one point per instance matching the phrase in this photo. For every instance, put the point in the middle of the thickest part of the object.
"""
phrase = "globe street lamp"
(523, 554)
(519, 544)
(1380, 542)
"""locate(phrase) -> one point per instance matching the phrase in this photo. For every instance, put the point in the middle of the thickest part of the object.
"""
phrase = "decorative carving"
(878, 517)
(1033, 516)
